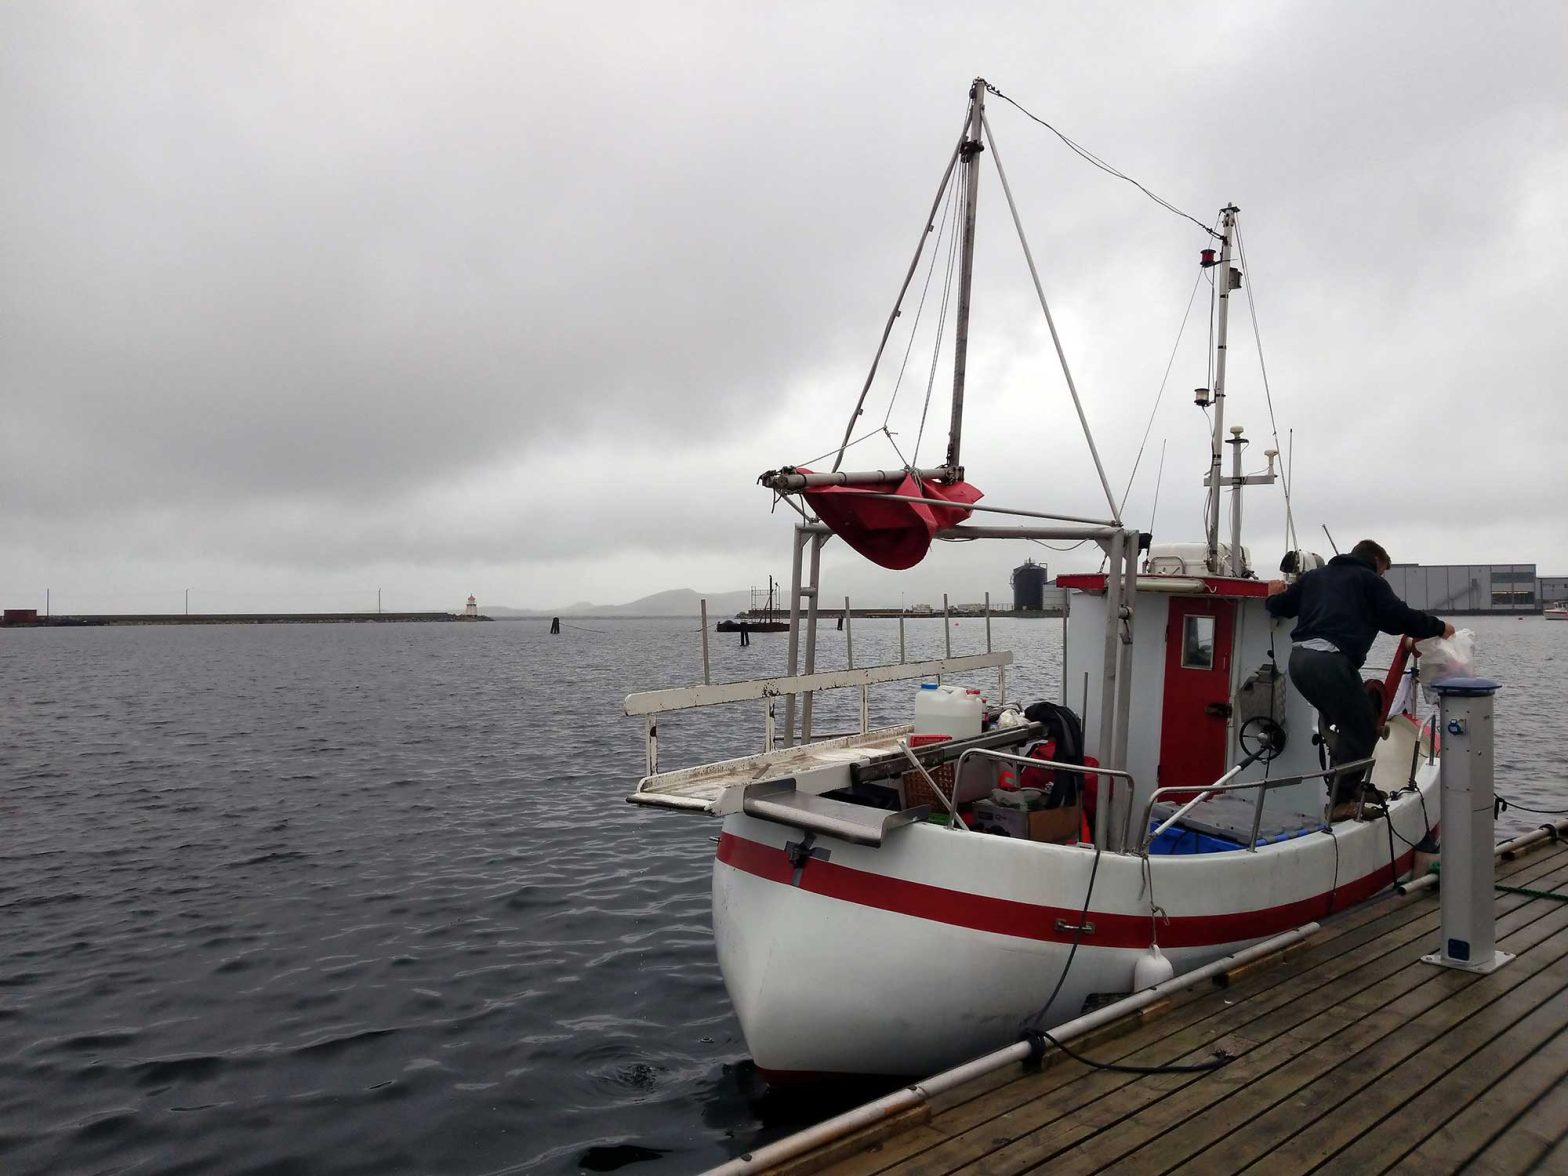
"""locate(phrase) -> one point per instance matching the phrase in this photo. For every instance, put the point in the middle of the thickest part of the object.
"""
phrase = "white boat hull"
(941, 945)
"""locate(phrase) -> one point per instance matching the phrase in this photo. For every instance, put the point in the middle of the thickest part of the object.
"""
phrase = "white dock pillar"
(1469, 932)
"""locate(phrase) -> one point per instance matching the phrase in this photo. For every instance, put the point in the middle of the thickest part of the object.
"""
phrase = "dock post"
(1469, 931)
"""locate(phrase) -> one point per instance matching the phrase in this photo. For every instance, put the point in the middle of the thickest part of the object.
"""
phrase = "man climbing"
(1340, 609)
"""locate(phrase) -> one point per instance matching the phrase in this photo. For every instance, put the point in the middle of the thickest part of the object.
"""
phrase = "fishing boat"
(755, 619)
(1557, 611)
(889, 900)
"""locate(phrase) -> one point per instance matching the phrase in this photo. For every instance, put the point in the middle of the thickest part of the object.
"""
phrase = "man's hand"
(1448, 630)
(1276, 587)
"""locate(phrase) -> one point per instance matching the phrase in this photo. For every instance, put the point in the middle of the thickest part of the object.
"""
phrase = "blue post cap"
(1467, 687)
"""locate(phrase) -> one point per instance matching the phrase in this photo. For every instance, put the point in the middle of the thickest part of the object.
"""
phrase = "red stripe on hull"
(1026, 920)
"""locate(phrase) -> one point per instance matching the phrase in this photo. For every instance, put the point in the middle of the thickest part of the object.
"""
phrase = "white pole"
(1236, 444)
(969, 151)
(1469, 928)
(706, 674)
(1228, 224)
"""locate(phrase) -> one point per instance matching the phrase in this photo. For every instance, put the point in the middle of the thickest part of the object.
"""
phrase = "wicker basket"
(916, 791)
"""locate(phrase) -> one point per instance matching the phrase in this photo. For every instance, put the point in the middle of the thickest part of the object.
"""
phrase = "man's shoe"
(1344, 811)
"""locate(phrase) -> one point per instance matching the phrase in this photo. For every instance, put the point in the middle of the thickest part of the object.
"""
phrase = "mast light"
(1200, 397)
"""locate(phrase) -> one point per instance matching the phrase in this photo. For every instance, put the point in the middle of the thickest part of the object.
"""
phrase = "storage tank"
(1029, 586)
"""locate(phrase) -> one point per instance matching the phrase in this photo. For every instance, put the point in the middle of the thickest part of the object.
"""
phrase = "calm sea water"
(368, 898)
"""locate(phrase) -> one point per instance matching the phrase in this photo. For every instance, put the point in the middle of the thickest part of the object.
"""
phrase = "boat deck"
(1350, 1055)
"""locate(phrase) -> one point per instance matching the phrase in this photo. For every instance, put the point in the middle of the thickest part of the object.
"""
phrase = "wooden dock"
(1349, 1055)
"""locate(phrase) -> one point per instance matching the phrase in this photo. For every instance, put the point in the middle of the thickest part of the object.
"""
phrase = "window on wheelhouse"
(1197, 644)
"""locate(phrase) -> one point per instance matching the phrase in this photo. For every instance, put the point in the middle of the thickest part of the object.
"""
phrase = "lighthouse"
(471, 611)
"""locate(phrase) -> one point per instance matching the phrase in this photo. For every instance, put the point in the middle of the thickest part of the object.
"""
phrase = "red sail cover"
(893, 534)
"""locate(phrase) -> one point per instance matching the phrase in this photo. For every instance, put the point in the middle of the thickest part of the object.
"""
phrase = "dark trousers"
(1330, 683)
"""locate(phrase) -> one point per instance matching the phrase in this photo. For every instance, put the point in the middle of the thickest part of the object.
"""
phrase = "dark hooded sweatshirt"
(1348, 603)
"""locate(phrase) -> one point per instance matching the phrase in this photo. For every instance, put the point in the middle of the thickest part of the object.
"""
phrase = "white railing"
(1223, 784)
(652, 703)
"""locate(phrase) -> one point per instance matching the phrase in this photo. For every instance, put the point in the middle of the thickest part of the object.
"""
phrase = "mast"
(969, 152)
(1228, 225)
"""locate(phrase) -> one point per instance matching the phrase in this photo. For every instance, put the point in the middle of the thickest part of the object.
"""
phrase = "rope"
(1502, 804)
(1089, 156)
(1525, 890)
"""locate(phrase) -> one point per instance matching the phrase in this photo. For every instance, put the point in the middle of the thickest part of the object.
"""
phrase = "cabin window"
(1197, 644)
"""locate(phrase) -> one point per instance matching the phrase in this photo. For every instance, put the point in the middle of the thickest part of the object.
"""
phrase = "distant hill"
(677, 602)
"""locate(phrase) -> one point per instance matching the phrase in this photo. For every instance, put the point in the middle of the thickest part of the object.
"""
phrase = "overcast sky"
(304, 300)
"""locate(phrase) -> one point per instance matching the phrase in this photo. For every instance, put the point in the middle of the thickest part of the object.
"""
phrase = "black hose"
(1083, 917)
(1038, 1037)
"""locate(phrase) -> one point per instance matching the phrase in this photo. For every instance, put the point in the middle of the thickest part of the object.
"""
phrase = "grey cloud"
(278, 279)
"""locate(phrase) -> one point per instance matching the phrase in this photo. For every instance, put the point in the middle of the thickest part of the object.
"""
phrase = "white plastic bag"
(1446, 657)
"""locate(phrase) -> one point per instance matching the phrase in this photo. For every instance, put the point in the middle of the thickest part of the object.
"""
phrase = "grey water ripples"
(368, 898)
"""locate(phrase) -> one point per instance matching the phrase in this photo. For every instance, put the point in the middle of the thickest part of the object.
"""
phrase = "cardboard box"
(1061, 826)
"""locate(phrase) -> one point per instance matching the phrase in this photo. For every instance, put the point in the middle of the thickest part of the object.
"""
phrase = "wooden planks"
(1349, 1055)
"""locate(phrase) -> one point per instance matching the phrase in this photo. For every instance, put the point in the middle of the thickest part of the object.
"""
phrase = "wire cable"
(1164, 380)
(925, 289)
(1268, 396)
(1090, 157)
(936, 349)
(1502, 804)
(1036, 1036)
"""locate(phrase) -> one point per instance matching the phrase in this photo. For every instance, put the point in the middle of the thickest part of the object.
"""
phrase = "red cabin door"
(1197, 692)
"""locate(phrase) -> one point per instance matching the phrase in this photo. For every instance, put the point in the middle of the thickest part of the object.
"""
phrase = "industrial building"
(1033, 591)
(1469, 589)
(1552, 589)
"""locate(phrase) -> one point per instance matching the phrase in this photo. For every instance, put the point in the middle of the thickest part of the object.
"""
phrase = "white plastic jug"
(946, 710)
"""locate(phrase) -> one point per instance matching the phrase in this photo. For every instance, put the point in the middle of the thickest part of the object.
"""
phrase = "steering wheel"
(1261, 738)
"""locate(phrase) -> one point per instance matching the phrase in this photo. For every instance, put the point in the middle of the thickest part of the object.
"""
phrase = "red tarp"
(893, 534)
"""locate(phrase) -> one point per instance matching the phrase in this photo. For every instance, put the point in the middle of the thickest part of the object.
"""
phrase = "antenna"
(1331, 542)
(1158, 477)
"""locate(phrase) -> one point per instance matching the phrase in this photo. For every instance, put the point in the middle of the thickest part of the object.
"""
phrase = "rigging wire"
(811, 461)
(1054, 547)
(936, 248)
(1164, 380)
(1089, 156)
(941, 329)
(1252, 310)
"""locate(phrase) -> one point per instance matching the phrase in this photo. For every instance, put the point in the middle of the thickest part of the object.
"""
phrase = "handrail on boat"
(950, 803)
(1328, 775)
(652, 703)
(1083, 770)
(648, 702)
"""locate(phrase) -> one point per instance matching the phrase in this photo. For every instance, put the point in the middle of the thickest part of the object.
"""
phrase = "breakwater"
(229, 619)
